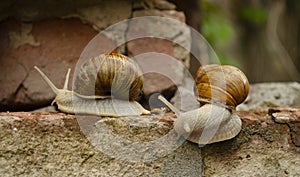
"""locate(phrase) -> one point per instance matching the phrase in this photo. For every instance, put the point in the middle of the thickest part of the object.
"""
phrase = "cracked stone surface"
(289, 116)
(22, 88)
(42, 143)
(263, 148)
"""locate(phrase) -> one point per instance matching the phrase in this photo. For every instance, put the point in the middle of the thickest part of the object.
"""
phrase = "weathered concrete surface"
(267, 95)
(53, 144)
(263, 148)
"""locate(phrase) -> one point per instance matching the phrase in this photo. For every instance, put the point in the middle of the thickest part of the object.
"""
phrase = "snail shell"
(221, 84)
(221, 89)
(115, 82)
(112, 75)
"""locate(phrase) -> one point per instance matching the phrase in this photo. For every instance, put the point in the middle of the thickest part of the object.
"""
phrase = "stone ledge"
(40, 144)
(264, 147)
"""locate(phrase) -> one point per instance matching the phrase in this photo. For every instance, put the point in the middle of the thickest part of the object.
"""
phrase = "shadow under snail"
(106, 85)
(219, 89)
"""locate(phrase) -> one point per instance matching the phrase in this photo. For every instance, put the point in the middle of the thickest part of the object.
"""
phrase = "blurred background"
(259, 36)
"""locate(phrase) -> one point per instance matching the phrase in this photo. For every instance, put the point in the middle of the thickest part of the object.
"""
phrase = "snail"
(219, 89)
(106, 85)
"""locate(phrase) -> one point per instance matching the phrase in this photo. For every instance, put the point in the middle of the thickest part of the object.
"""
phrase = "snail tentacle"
(48, 81)
(67, 80)
(186, 126)
(166, 102)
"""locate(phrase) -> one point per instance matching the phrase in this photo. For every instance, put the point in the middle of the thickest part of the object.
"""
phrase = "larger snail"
(106, 85)
(220, 88)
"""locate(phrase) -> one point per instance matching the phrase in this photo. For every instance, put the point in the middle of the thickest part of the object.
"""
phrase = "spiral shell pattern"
(112, 75)
(221, 84)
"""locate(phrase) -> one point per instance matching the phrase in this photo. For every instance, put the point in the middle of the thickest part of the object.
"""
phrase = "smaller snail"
(106, 85)
(220, 89)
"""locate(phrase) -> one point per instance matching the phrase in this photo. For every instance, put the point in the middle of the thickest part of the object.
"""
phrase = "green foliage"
(217, 30)
(254, 16)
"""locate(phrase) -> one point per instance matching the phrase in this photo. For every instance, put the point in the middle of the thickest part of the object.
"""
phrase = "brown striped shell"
(221, 84)
(109, 75)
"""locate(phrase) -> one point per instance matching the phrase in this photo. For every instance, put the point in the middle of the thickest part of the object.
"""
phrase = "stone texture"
(56, 144)
(59, 36)
(153, 4)
(266, 95)
(262, 148)
(50, 44)
(104, 14)
(154, 40)
(161, 72)
(289, 116)
(43, 144)
(91, 11)
(52, 37)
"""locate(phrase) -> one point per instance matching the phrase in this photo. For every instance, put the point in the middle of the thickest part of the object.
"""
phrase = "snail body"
(108, 99)
(220, 89)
